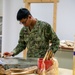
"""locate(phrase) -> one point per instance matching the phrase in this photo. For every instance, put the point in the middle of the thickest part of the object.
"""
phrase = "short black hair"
(22, 13)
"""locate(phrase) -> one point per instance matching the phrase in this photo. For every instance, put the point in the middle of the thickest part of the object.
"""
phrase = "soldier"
(36, 35)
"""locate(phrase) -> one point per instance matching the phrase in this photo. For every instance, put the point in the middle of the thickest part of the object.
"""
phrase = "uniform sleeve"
(52, 38)
(21, 43)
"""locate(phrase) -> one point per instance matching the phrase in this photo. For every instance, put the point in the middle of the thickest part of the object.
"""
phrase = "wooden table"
(65, 47)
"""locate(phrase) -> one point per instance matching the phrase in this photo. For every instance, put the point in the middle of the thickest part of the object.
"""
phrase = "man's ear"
(29, 16)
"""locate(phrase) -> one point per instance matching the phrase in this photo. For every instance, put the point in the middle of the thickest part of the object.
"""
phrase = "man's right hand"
(7, 54)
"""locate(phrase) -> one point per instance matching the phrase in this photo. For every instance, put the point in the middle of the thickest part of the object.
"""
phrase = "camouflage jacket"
(37, 40)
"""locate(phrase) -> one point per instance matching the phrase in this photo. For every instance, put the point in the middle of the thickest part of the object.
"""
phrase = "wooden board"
(68, 48)
(29, 70)
(40, 1)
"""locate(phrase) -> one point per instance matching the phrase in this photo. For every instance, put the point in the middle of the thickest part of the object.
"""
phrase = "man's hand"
(7, 54)
(49, 54)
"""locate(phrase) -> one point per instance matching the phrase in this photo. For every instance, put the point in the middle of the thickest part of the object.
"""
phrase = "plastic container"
(47, 63)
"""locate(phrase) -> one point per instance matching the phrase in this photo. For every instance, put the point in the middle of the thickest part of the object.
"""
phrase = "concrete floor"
(65, 58)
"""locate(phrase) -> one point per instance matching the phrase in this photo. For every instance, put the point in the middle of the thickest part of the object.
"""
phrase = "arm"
(21, 44)
(52, 37)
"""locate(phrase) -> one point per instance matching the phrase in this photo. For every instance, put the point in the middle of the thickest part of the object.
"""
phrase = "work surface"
(22, 63)
(16, 62)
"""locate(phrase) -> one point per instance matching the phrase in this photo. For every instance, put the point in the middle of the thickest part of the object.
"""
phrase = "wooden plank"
(68, 48)
(25, 53)
(27, 5)
(33, 1)
(49, 1)
(27, 70)
(54, 15)
(40, 1)
(24, 71)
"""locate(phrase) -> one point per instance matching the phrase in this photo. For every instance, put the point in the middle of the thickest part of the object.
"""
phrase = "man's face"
(26, 21)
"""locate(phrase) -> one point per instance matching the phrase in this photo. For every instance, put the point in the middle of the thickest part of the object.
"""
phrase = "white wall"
(66, 19)
(11, 28)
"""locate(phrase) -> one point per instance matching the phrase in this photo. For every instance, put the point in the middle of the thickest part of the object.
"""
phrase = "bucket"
(48, 63)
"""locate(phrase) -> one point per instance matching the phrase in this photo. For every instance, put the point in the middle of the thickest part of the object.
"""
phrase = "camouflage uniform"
(37, 40)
